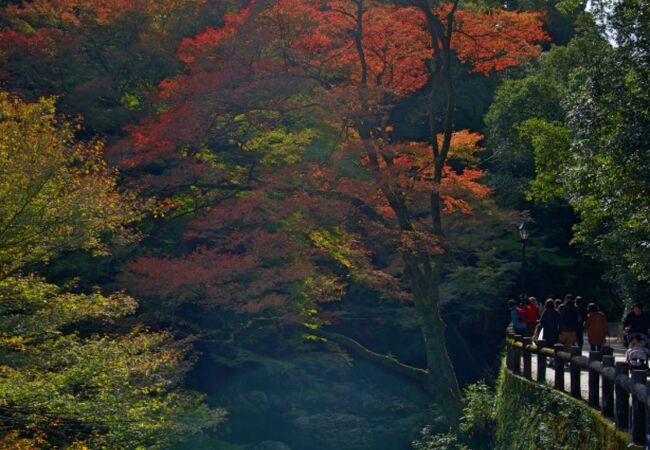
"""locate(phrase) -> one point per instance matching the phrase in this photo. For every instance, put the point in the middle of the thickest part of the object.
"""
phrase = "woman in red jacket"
(532, 316)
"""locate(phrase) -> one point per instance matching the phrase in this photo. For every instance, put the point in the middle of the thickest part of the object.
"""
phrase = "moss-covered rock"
(535, 417)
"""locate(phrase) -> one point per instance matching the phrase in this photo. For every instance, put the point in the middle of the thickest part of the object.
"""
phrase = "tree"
(56, 194)
(116, 391)
(585, 141)
(608, 115)
(333, 64)
(476, 42)
(65, 381)
(102, 58)
(526, 180)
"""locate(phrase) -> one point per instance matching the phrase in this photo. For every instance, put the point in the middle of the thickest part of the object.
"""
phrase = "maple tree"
(278, 143)
(64, 382)
(56, 193)
(116, 391)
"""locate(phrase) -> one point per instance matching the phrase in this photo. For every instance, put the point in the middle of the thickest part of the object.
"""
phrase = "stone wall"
(534, 417)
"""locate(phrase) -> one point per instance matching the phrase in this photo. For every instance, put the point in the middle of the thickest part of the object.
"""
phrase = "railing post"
(607, 401)
(509, 335)
(575, 373)
(526, 351)
(594, 380)
(516, 368)
(541, 362)
(621, 397)
(559, 367)
(647, 415)
(637, 419)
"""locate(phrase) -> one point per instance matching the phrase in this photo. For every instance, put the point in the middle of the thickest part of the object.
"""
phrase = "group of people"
(565, 322)
(559, 321)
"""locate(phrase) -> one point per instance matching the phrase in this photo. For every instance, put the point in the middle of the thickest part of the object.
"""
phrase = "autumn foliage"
(66, 382)
(233, 127)
(102, 58)
(241, 168)
(266, 133)
(56, 194)
(263, 54)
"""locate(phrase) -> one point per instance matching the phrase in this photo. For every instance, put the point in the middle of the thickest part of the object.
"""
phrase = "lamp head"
(523, 230)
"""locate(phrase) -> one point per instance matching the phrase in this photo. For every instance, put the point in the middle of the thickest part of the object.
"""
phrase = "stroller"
(637, 351)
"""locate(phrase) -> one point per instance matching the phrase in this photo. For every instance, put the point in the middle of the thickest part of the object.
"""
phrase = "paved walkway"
(619, 355)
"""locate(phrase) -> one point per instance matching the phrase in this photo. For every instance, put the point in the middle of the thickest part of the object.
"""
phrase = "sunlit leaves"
(120, 392)
(51, 309)
(497, 39)
(464, 146)
(57, 385)
(551, 141)
(200, 46)
(279, 146)
(56, 193)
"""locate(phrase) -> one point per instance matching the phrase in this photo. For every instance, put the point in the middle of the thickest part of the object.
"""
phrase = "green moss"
(535, 417)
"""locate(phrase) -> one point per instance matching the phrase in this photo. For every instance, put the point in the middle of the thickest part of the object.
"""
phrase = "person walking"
(596, 327)
(637, 322)
(518, 325)
(532, 316)
(582, 316)
(568, 322)
(549, 323)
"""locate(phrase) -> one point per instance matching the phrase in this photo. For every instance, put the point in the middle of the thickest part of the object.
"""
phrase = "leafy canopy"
(64, 382)
(56, 194)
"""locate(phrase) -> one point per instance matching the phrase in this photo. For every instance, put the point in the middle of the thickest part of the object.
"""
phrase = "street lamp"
(523, 233)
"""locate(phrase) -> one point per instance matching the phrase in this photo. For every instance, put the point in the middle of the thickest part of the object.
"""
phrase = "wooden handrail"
(625, 396)
(580, 361)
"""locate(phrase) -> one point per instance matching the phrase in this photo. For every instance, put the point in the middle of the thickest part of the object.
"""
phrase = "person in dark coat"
(582, 316)
(637, 322)
(549, 323)
(569, 322)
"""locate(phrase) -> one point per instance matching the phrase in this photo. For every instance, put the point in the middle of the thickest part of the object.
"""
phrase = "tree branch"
(358, 349)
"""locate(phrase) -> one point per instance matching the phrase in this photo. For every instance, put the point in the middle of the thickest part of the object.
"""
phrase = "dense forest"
(293, 224)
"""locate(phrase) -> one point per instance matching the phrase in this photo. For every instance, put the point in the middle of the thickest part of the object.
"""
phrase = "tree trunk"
(427, 275)
(441, 378)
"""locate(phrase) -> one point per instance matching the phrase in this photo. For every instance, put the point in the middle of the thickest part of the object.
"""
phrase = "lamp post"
(523, 233)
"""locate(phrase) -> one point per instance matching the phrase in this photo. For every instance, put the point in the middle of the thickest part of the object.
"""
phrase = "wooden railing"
(624, 397)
